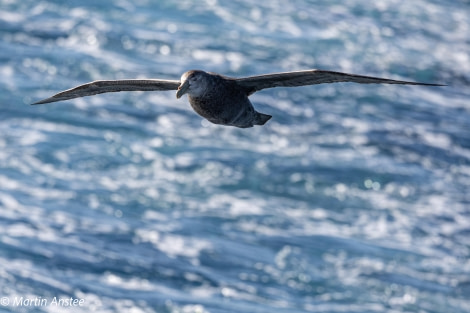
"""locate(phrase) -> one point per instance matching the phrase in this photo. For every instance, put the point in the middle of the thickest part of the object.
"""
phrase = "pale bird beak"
(182, 89)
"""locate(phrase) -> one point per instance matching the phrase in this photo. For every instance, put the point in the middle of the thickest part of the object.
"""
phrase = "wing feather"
(311, 77)
(102, 86)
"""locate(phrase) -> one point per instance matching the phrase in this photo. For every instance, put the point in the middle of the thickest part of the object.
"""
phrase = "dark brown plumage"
(220, 99)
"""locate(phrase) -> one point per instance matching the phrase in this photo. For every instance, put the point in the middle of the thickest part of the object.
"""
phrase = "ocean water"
(353, 198)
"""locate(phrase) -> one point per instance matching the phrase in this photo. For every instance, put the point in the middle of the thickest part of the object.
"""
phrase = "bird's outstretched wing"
(102, 86)
(311, 77)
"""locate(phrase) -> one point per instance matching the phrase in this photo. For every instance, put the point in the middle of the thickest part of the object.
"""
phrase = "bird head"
(193, 82)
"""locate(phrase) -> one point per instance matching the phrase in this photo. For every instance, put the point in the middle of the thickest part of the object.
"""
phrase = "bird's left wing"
(102, 86)
(311, 77)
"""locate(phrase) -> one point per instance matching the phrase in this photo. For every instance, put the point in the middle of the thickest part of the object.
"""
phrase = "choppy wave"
(352, 198)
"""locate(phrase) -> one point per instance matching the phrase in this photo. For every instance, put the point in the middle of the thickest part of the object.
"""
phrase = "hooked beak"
(182, 89)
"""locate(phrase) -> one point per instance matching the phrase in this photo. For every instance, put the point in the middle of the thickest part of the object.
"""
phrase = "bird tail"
(261, 118)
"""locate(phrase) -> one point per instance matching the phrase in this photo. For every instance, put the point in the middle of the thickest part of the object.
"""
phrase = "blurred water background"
(353, 198)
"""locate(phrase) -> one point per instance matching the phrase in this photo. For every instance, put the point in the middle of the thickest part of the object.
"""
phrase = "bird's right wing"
(311, 77)
(102, 86)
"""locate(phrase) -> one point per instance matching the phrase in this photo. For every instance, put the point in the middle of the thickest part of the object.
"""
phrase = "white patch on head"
(196, 81)
(184, 77)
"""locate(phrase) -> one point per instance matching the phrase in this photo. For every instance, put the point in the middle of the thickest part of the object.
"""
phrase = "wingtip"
(47, 100)
(38, 102)
(434, 85)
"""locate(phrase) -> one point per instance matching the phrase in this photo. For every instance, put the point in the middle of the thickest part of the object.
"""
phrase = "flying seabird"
(221, 99)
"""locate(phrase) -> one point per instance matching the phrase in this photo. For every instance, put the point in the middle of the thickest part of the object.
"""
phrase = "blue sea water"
(353, 198)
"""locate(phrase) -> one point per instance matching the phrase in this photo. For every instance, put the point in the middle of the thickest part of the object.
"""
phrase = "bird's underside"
(212, 90)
